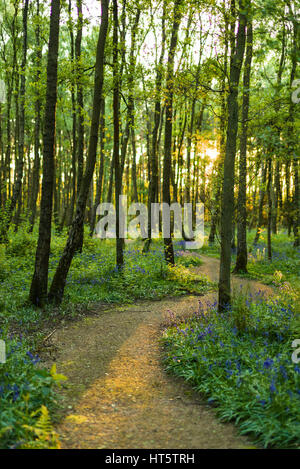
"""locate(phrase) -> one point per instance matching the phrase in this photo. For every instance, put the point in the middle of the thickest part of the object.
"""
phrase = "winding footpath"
(119, 395)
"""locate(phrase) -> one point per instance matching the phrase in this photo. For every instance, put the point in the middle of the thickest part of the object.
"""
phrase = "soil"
(119, 395)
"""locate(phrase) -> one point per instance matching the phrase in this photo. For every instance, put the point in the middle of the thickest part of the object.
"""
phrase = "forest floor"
(118, 394)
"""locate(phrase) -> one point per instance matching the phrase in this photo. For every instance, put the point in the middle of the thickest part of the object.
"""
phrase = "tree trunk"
(38, 290)
(37, 128)
(80, 112)
(168, 244)
(261, 203)
(242, 254)
(269, 192)
(237, 54)
(74, 117)
(59, 281)
(116, 150)
(20, 125)
(153, 185)
(292, 138)
(218, 190)
(99, 187)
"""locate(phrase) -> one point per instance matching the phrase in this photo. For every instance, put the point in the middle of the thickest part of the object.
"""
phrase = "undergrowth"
(27, 390)
(242, 362)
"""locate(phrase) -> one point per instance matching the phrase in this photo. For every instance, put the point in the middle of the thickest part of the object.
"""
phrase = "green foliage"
(3, 270)
(22, 244)
(242, 362)
(93, 276)
(25, 391)
(285, 259)
(188, 260)
(41, 435)
(241, 312)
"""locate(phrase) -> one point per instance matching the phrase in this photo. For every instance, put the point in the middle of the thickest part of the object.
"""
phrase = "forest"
(177, 326)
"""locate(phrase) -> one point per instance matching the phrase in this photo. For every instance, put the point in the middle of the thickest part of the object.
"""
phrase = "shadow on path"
(120, 395)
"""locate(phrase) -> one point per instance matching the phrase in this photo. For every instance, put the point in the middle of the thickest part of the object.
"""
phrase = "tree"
(39, 284)
(20, 132)
(153, 185)
(177, 15)
(116, 150)
(227, 212)
(80, 110)
(242, 253)
(292, 144)
(37, 127)
(57, 288)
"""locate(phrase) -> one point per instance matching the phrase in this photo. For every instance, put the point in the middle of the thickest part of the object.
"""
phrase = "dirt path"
(119, 395)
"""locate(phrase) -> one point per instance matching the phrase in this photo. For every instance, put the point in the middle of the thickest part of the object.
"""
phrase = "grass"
(285, 261)
(93, 278)
(27, 394)
(27, 390)
(242, 362)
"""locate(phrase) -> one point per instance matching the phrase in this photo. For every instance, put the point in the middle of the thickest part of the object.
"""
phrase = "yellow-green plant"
(41, 435)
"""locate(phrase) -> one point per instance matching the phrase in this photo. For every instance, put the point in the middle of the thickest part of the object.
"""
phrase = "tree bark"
(153, 184)
(37, 128)
(269, 192)
(116, 150)
(219, 170)
(261, 203)
(227, 212)
(59, 281)
(168, 244)
(99, 188)
(242, 254)
(20, 136)
(39, 285)
(74, 79)
(80, 112)
(292, 139)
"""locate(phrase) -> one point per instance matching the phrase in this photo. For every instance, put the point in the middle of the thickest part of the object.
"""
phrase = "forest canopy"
(184, 101)
(185, 115)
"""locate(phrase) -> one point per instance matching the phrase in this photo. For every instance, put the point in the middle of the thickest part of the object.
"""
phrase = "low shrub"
(26, 393)
(22, 244)
(242, 362)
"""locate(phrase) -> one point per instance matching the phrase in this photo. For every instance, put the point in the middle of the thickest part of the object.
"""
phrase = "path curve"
(118, 394)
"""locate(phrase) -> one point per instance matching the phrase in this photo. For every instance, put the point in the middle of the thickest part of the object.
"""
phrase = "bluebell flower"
(283, 372)
(268, 363)
(272, 387)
